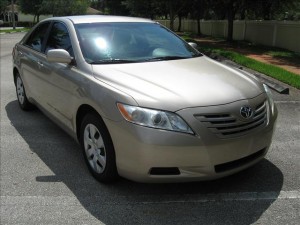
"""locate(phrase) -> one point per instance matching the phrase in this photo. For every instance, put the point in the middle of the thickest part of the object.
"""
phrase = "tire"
(98, 150)
(21, 94)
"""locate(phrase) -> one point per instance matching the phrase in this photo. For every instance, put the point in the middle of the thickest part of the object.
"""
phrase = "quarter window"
(36, 39)
(59, 38)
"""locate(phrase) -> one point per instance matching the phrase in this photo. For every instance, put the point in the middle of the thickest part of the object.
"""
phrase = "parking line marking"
(143, 199)
(243, 196)
(293, 102)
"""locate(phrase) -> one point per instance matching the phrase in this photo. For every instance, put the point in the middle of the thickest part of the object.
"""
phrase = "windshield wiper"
(161, 58)
(112, 61)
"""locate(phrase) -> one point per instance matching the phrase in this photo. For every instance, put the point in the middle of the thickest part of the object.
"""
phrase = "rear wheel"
(98, 149)
(21, 95)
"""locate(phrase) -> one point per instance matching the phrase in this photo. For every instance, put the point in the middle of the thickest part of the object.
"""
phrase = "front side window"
(130, 42)
(37, 37)
(59, 38)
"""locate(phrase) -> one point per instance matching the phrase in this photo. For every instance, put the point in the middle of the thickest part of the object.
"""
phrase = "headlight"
(270, 98)
(154, 118)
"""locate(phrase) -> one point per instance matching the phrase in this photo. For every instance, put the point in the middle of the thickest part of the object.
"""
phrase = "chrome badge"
(246, 111)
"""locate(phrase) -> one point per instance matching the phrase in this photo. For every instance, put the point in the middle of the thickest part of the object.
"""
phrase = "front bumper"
(152, 155)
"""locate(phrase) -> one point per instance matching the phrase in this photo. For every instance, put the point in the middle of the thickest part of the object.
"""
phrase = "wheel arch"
(15, 72)
(110, 173)
(81, 112)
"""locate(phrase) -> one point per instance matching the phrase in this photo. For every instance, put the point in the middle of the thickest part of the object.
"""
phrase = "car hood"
(177, 84)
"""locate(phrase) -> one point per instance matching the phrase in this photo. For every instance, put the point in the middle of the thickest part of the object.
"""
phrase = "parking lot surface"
(44, 179)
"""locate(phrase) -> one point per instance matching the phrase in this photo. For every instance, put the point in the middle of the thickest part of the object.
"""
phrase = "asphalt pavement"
(44, 179)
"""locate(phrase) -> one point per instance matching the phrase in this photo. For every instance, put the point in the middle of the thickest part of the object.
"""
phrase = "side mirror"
(194, 45)
(59, 56)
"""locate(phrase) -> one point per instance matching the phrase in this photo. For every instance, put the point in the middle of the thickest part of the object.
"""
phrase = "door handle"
(40, 63)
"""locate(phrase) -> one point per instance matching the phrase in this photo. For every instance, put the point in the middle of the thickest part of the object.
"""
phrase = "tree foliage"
(172, 9)
(54, 7)
(116, 7)
(3, 5)
(205, 9)
(65, 7)
(34, 7)
(144, 8)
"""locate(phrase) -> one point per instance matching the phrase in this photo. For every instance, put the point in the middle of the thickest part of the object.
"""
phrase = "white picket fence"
(283, 34)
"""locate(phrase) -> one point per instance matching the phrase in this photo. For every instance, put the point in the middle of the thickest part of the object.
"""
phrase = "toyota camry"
(143, 103)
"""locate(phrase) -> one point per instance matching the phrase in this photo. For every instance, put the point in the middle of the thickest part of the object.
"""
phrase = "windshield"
(103, 43)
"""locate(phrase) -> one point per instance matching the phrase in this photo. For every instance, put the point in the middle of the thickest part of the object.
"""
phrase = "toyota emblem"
(246, 111)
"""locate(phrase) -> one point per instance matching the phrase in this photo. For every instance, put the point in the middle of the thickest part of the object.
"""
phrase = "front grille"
(226, 125)
(240, 162)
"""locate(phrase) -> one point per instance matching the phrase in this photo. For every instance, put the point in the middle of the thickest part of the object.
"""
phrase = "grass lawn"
(267, 69)
(15, 30)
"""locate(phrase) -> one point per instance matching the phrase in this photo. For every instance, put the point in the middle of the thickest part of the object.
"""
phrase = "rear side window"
(36, 39)
(59, 38)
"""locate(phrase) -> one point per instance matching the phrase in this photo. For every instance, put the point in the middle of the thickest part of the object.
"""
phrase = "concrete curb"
(262, 77)
(275, 86)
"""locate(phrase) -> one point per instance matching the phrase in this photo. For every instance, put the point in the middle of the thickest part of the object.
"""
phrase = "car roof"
(102, 18)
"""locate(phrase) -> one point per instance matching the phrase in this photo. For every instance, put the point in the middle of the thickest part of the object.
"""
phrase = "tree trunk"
(243, 14)
(172, 15)
(179, 23)
(198, 26)
(172, 23)
(266, 10)
(230, 29)
(13, 14)
(230, 17)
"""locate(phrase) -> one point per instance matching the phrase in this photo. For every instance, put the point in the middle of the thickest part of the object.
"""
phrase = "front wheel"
(98, 150)
(21, 95)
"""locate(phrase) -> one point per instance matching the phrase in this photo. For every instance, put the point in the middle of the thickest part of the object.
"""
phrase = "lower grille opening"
(164, 171)
(240, 162)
